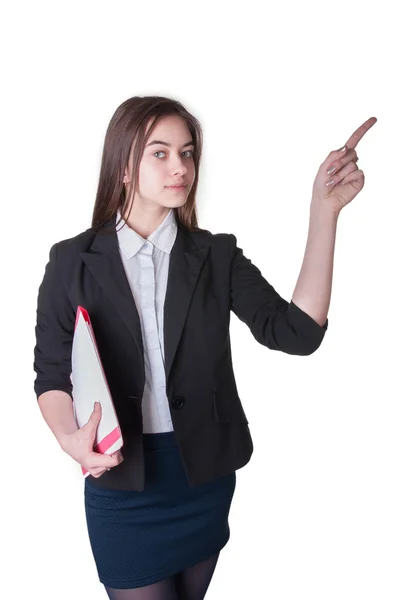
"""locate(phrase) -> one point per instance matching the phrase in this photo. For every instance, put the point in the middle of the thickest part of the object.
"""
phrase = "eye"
(189, 152)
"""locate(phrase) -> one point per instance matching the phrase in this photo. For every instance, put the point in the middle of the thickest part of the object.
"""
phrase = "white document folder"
(90, 385)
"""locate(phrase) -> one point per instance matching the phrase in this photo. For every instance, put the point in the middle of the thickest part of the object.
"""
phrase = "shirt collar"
(131, 242)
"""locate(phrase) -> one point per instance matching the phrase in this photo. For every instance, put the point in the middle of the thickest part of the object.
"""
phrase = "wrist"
(324, 213)
(63, 441)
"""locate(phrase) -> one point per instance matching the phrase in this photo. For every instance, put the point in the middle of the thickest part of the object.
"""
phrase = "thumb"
(95, 417)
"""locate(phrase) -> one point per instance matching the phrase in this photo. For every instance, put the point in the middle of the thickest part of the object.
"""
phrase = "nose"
(178, 166)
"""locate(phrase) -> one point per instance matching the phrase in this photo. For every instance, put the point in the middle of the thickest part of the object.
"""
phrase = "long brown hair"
(126, 130)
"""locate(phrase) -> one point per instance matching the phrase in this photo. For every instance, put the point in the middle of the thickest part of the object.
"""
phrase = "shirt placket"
(154, 359)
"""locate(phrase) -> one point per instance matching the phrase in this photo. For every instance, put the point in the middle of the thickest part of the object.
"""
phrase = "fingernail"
(330, 182)
(331, 170)
(343, 149)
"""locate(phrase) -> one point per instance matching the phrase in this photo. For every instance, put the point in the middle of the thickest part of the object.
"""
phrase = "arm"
(337, 183)
(274, 322)
(296, 328)
(57, 410)
(52, 353)
(52, 363)
(314, 285)
(55, 322)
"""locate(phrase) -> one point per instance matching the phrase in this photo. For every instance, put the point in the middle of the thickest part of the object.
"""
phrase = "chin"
(175, 202)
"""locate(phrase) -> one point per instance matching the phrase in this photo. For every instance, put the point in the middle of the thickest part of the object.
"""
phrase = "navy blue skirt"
(138, 538)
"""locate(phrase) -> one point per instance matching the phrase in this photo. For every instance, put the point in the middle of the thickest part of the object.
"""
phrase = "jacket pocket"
(228, 408)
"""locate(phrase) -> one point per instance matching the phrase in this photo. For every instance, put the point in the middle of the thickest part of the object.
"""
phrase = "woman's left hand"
(339, 180)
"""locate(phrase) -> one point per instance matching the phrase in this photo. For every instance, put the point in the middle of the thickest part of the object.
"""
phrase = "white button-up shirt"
(146, 262)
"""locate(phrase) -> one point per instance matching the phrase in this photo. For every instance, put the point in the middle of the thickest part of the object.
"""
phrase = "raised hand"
(339, 180)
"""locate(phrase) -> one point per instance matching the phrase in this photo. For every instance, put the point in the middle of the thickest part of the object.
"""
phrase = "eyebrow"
(166, 144)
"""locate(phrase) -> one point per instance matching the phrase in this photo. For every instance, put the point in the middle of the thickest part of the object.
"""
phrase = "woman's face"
(167, 161)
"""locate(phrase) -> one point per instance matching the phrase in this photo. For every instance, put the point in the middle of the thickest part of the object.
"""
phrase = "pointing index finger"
(360, 132)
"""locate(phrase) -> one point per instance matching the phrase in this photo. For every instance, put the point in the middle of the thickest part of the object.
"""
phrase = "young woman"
(159, 291)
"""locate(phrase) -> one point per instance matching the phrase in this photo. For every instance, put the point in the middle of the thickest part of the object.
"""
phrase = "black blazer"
(208, 277)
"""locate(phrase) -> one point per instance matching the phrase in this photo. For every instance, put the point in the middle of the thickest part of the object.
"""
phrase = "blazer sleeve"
(54, 332)
(274, 322)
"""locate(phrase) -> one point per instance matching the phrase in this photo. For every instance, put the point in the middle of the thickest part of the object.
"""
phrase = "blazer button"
(178, 402)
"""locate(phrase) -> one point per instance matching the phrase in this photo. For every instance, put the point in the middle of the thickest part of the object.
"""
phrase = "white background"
(276, 88)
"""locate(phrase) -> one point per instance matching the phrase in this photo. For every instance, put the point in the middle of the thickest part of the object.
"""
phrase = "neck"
(145, 220)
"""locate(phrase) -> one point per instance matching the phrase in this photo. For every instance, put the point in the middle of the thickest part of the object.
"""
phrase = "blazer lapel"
(186, 260)
(105, 264)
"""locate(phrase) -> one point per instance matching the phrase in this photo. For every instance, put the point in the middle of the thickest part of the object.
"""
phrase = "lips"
(176, 186)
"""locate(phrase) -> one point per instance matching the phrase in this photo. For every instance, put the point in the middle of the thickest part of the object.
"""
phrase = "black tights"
(190, 584)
